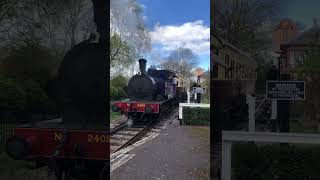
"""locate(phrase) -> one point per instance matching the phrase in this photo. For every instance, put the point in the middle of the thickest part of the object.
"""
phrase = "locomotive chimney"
(142, 65)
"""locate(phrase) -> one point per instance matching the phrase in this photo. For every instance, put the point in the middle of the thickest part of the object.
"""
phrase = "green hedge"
(196, 116)
(292, 162)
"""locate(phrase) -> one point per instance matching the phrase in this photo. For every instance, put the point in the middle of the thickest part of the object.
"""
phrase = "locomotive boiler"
(151, 85)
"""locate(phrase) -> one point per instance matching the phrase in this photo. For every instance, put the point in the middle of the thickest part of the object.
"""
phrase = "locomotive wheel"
(66, 170)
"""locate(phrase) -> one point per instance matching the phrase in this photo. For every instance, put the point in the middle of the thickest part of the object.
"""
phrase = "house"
(295, 51)
(200, 76)
(283, 32)
(229, 62)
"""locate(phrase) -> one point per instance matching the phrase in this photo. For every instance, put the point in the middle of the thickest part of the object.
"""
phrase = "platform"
(178, 152)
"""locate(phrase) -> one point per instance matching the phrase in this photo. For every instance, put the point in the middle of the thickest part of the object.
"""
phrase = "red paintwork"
(137, 106)
(43, 143)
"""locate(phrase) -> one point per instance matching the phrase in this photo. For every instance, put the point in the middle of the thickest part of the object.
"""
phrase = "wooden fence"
(6, 131)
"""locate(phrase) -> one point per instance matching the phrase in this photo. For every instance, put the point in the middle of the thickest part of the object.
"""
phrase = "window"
(298, 57)
(292, 58)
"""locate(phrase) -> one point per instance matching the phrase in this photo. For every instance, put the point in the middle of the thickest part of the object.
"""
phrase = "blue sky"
(175, 23)
(302, 10)
(176, 11)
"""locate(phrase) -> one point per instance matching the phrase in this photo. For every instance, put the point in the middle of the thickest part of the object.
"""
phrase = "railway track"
(126, 136)
(118, 127)
(123, 135)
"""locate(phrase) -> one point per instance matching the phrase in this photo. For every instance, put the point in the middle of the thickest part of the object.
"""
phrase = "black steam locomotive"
(151, 91)
(152, 85)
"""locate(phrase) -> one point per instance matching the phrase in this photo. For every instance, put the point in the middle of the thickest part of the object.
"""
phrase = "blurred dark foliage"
(24, 75)
(293, 162)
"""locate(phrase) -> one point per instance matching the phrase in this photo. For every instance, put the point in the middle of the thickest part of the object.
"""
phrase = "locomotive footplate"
(149, 107)
(138, 106)
(84, 144)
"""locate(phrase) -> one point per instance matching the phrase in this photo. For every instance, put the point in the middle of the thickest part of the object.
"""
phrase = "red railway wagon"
(48, 139)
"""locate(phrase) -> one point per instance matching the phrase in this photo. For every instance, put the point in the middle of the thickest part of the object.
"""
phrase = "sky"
(302, 11)
(179, 23)
(174, 23)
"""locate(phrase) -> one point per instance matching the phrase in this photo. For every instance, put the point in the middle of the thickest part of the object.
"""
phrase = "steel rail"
(136, 136)
(118, 127)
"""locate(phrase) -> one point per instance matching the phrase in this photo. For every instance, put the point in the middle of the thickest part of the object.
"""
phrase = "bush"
(196, 116)
(12, 95)
(22, 99)
(117, 92)
(37, 100)
(117, 85)
(294, 162)
(119, 81)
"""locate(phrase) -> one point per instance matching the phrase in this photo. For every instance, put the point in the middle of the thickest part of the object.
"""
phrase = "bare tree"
(57, 24)
(182, 61)
(243, 22)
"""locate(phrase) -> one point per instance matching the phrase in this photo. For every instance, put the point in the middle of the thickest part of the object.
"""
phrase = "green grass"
(114, 116)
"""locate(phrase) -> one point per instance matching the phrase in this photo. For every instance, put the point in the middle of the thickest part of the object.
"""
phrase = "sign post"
(196, 91)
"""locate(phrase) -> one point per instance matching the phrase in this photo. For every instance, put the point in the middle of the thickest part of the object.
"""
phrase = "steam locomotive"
(151, 92)
(75, 146)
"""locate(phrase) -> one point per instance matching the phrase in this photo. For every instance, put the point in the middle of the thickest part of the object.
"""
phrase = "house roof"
(285, 23)
(227, 44)
(309, 36)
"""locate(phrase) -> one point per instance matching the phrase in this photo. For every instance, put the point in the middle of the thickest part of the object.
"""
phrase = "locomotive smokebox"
(142, 65)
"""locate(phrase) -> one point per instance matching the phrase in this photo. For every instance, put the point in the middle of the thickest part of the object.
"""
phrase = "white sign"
(285, 90)
(199, 90)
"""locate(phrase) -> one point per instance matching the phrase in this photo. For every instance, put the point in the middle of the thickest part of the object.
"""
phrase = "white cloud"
(193, 35)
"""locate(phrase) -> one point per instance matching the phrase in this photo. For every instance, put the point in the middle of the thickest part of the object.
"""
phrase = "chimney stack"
(142, 65)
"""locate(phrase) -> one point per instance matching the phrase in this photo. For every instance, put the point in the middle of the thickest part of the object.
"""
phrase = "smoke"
(129, 123)
(127, 21)
(122, 13)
